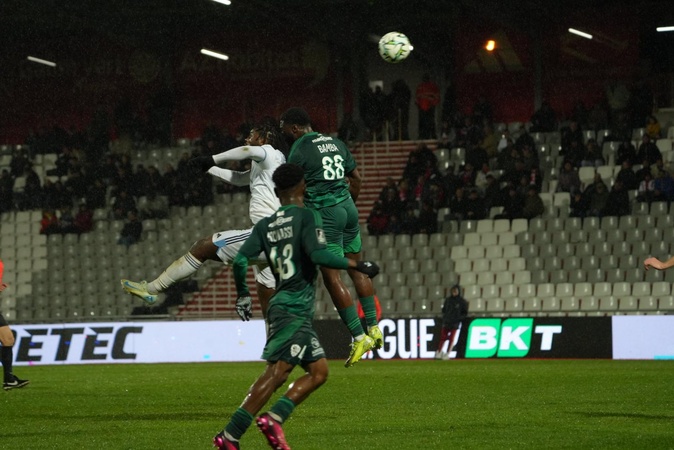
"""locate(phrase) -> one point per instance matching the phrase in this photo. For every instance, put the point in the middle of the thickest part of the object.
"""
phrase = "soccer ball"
(394, 47)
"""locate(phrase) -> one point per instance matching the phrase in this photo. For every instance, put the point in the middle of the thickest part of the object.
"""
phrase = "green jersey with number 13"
(325, 161)
(288, 237)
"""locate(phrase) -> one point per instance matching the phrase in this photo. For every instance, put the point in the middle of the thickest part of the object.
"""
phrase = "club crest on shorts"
(295, 350)
(320, 235)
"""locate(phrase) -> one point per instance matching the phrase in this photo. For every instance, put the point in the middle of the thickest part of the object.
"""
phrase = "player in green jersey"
(333, 185)
(293, 243)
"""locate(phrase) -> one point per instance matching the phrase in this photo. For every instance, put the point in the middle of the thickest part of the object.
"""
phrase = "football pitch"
(476, 404)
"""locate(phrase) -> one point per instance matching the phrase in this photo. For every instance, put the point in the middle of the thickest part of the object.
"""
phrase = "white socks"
(180, 269)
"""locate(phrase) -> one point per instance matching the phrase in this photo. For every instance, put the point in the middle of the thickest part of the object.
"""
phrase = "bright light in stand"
(41, 61)
(214, 54)
(224, 2)
(490, 45)
(661, 29)
(580, 33)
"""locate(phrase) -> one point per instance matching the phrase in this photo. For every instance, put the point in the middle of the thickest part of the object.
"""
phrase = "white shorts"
(229, 243)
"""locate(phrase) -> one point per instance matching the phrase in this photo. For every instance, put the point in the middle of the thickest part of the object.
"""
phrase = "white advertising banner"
(643, 337)
(138, 342)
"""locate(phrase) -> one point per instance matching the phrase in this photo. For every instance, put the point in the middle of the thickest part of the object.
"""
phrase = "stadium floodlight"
(663, 29)
(224, 2)
(41, 61)
(580, 33)
(214, 54)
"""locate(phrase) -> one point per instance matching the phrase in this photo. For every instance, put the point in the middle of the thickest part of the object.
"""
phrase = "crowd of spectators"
(83, 181)
(506, 171)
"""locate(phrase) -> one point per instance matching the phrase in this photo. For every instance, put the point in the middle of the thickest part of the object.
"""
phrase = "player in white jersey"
(262, 148)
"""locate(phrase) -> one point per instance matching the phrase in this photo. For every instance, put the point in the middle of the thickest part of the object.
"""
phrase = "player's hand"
(369, 268)
(653, 262)
(244, 307)
(202, 162)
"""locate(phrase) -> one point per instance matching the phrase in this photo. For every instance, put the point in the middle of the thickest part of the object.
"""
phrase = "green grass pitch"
(472, 404)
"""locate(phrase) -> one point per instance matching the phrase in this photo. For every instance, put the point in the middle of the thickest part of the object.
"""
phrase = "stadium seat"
(545, 290)
(476, 252)
(476, 305)
(459, 252)
(627, 304)
(647, 304)
(608, 303)
(519, 225)
(558, 276)
(661, 289)
(589, 303)
(485, 278)
(666, 303)
(509, 291)
(602, 289)
(568, 304)
(641, 289)
(494, 305)
(494, 252)
(490, 291)
(550, 304)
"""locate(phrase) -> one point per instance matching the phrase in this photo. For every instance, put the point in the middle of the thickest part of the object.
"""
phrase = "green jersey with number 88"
(325, 161)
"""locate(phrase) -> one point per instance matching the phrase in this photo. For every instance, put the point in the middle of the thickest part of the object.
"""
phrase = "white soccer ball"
(394, 47)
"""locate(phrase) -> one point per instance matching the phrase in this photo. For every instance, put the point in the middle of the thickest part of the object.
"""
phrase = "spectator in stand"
(84, 219)
(378, 220)
(95, 196)
(467, 175)
(468, 135)
(404, 193)
(390, 185)
(62, 163)
(508, 158)
(575, 152)
(568, 179)
(67, 221)
(18, 164)
(593, 156)
(428, 219)
(626, 151)
(544, 120)
(529, 157)
(56, 196)
(476, 209)
(49, 224)
(578, 205)
(489, 142)
(597, 198)
(481, 177)
(77, 184)
(492, 193)
(653, 128)
(476, 156)
(427, 98)
(32, 191)
(663, 187)
(391, 203)
(515, 175)
(618, 203)
(131, 231)
(525, 140)
(123, 204)
(6, 191)
(413, 168)
(533, 204)
(627, 177)
(648, 151)
(646, 190)
(571, 133)
(513, 204)
(409, 223)
(454, 311)
(435, 194)
(458, 204)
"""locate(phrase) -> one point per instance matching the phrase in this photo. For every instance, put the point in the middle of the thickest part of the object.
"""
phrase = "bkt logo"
(510, 339)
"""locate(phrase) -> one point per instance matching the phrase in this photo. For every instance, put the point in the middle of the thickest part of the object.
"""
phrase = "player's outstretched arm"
(325, 258)
(657, 264)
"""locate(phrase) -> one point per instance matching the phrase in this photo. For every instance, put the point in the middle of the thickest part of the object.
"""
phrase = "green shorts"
(291, 338)
(340, 224)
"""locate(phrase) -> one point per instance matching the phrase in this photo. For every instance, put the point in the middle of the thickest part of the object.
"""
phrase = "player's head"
(266, 132)
(289, 182)
(295, 122)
